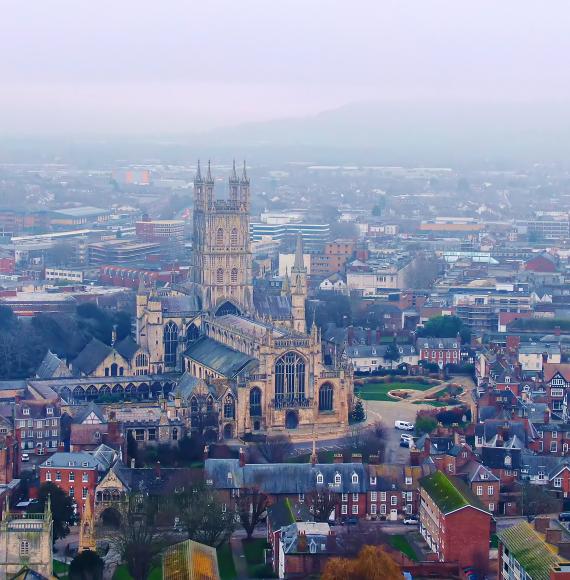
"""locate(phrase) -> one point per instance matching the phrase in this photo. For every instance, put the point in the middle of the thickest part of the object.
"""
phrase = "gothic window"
(170, 343)
(234, 275)
(220, 237)
(229, 407)
(220, 276)
(192, 332)
(326, 397)
(24, 548)
(114, 369)
(290, 377)
(255, 402)
(210, 405)
(193, 405)
(141, 360)
(175, 434)
(234, 237)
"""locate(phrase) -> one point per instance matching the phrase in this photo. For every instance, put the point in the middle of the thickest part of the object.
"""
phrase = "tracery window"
(290, 377)
(220, 276)
(326, 397)
(255, 402)
(229, 407)
(234, 237)
(234, 275)
(170, 343)
(220, 237)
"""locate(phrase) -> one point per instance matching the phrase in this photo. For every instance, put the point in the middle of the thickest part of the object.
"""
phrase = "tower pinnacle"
(209, 178)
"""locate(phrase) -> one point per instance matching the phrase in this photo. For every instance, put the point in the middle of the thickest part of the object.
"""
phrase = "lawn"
(401, 543)
(434, 403)
(379, 391)
(122, 573)
(254, 556)
(60, 569)
(226, 564)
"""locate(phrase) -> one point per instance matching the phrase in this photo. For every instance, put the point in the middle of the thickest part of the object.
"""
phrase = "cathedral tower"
(299, 288)
(222, 261)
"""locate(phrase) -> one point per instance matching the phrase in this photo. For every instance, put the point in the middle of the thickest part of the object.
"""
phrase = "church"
(247, 354)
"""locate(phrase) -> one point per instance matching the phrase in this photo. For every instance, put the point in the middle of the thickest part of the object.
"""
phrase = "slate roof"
(532, 464)
(274, 306)
(476, 472)
(445, 343)
(127, 347)
(50, 363)
(91, 407)
(73, 459)
(220, 358)
(188, 303)
(91, 356)
(171, 480)
(529, 549)
(37, 409)
(367, 351)
(490, 429)
(285, 478)
(449, 494)
(494, 457)
(284, 512)
(316, 533)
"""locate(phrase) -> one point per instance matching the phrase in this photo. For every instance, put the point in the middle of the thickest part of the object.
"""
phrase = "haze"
(132, 67)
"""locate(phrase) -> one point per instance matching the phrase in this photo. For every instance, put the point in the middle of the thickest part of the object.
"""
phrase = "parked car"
(352, 521)
(564, 517)
(25, 457)
(406, 440)
(411, 520)
(404, 425)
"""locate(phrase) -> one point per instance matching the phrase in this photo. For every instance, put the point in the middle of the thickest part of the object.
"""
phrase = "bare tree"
(323, 502)
(252, 508)
(421, 274)
(275, 448)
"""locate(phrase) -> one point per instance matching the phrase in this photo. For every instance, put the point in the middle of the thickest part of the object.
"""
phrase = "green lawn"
(226, 562)
(60, 569)
(379, 391)
(122, 573)
(401, 543)
(434, 403)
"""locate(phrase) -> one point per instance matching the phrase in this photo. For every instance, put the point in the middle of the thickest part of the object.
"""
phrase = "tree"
(372, 563)
(137, 540)
(86, 566)
(392, 353)
(425, 424)
(62, 510)
(323, 502)
(252, 508)
(422, 272)
(275, 448)
(204, 517)
(445, 327)
(358, 414)
(535, 500)
(132, 448)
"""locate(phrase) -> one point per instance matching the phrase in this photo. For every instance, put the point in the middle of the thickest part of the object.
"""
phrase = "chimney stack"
(157, 470)
(206, 452)
(337, 458)
(374, 459)
(357, 458)
(132, 462)
(546, 416)
(241, 457)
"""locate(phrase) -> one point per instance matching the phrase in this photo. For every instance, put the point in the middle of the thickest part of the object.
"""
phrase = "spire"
(47, 509)
(233, 176)
(244, 177)
(142, 286)
(198, 177)
(286, 286)
(299, 264)
(209, 178)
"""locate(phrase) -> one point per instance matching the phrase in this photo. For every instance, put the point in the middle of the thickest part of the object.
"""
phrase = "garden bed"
(379, 390)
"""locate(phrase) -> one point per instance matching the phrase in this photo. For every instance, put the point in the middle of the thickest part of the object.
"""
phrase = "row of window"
(39, 423)
(84, 492)
(39, 434)
(490, 490)
(220, 275)
(71, 476)
(383, 509)
(220, 235)
(39, 444)
(553, 447)
(26, 411)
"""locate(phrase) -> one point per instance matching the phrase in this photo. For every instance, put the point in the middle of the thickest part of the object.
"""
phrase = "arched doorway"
(111, 517)
(228, 431)
(291, 420)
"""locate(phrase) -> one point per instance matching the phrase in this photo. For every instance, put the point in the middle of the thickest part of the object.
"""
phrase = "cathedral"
(247, 354)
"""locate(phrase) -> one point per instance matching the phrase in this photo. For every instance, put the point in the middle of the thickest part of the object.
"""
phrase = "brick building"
(441, 351)
(37, 425)
(557, 382)
(453, 522)
(333, 258)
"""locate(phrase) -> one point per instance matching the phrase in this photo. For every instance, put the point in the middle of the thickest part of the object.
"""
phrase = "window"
(170, 343)
(394, 500)
(490, 490)
(71, 492)
(234, 275)
(58, 475)
(556, 392)
(175, 434)
(320, 478)
(553, 446)
(24, 548)
(229, 407)
(373, 480)
(354, 497)
(301, 497)
(255, 403)
(220, 276)
(224, 508)
(84, 493)
(355, 509)
(48, 476)
(54, 432)
(220, 237)
(554, 434)
(373, 509)
(326, 397)
(234, 237)
(373, 496)
(344, 497)
(337, 479)
(26, 411)
(344, 509)
(479, 490)
(354, 478)
(84, 477)
(408, 481)
(383, 509)
(49, 410)
(382, 496)
(541, 475)
(557, 482)
(289, 378)
(152, 434)
(491, 507)
(72, 476)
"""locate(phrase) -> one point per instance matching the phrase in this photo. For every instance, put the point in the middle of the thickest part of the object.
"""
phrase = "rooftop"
(448, 495)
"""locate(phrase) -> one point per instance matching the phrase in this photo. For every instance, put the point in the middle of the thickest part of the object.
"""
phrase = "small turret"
(299, 294)
(234, 183)
(244, 189)
(286, 286)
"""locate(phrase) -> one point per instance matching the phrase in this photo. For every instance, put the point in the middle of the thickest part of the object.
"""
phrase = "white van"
(404, 425)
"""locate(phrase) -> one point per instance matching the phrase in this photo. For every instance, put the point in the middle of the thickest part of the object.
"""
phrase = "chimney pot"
(338, 458)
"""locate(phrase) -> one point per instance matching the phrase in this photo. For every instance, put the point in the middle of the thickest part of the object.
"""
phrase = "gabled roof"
(170, 481)
(91, 356)
(49, 365)
(449, 494)
(284, 513)
(552, 369)
(127, 347)
(476, 472)
(271, 305)
(91, 407)
(529, 549)
(220, 358)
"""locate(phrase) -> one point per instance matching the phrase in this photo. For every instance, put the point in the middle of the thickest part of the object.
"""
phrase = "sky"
(179, 66)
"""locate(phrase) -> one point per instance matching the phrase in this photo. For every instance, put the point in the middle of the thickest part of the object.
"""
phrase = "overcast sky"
(163, 66)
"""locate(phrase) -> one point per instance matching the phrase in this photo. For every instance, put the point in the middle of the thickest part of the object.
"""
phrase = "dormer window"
(508, 461)
(71, 463)
(408, 481)
(372, 480)
(337, 479)
(85, 464)
(25, 411)
(354, 478)
(49, 410)
(320, 478)
(230, 476)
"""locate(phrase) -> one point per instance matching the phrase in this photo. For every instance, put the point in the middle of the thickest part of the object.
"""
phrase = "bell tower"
(299, 288)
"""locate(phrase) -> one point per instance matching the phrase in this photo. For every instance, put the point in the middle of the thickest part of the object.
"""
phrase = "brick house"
(393, 490)
(293, 481)
(37, 425)
(453, 522)
(77, 474)
(559, 480)
(8, 452)
(556, 381)
(483, 484)
(441, 351)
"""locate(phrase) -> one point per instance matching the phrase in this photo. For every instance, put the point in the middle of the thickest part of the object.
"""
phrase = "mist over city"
(285, 290)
